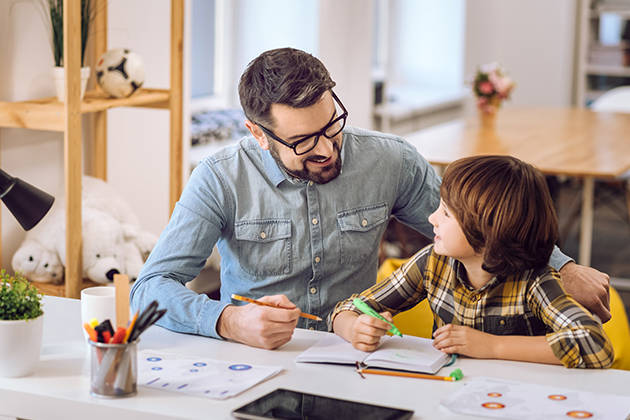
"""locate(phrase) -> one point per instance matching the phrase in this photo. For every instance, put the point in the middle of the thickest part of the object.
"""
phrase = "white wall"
(533, 40)
(138, 138)
(344, 43)
(345, 47)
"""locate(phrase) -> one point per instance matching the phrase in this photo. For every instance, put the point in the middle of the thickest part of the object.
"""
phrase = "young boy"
(487, 278)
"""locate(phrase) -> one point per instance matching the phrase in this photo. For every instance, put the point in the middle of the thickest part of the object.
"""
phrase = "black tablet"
(283, 404)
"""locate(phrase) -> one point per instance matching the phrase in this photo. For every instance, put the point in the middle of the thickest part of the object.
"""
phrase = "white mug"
(100, 303)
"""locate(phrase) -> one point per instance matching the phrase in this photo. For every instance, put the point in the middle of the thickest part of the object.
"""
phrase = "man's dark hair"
(505, 210)
(283, 76)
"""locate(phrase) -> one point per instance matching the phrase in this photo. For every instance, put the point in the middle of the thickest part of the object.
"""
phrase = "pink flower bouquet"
(491, 85)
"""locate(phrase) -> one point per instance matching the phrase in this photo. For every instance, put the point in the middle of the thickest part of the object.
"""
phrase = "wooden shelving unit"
(50, 114)
(589, 23)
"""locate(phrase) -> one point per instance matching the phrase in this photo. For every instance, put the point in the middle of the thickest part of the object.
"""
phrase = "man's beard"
(325, 175)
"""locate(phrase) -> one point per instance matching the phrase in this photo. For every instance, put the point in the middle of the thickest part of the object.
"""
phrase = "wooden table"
(574, 142)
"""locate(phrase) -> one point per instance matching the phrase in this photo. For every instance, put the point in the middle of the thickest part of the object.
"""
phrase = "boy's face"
(449, 238)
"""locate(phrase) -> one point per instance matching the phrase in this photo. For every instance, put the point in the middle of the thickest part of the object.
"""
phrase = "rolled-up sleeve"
(577, 339)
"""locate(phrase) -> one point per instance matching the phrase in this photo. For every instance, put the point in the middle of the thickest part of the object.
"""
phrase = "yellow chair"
(419, 320)
(618, 331)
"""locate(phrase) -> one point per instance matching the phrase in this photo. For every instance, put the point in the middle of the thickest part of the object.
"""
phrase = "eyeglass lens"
(306, 145)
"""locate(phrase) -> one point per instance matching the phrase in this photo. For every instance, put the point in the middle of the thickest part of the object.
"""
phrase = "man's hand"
(260, 326)
(363, 331)
(589, 287)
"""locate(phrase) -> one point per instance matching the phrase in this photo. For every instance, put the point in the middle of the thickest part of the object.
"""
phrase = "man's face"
(320, 165)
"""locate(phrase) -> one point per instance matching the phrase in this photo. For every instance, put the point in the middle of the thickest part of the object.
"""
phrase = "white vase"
(20, 347)
(60, 81)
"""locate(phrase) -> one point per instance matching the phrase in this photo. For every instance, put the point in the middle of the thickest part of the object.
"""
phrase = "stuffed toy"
(38, 263)
(113, 240)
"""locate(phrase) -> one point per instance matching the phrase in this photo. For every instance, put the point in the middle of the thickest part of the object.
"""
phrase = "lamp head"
(28, 204)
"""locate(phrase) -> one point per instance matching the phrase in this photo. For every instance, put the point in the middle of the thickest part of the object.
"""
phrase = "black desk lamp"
(28, 204)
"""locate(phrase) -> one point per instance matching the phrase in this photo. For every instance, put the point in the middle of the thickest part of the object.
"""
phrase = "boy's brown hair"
(505, 210)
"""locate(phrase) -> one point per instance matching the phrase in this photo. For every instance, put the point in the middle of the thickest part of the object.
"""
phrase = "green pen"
(366, 309)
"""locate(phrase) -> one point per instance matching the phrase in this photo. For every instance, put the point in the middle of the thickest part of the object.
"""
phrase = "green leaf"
(19, 299)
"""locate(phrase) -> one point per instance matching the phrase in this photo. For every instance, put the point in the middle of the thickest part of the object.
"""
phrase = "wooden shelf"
(595, 70)
(52, 115)
(49, 113)
(59, 290)
(621, 8)
(589, 15)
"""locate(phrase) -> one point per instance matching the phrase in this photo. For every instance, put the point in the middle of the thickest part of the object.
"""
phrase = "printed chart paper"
(501, 399)
(199, 376)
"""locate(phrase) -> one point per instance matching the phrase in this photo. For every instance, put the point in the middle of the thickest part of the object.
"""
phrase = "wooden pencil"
(408, 375)
(271, 305)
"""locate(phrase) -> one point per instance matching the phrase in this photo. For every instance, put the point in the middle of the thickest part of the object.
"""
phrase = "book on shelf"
(414, 354)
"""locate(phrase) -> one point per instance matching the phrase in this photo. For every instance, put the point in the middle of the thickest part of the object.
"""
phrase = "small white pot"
(60, 81)
(20, 347)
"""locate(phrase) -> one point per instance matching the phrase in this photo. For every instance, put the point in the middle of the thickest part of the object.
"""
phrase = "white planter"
(20, 347)
(60, 81)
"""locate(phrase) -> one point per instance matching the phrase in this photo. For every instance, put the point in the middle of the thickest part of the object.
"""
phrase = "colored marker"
(368, 310)
(118, 336)
(91, 333)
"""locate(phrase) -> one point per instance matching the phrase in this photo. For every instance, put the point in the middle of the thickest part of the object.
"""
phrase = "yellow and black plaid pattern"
(532, 303)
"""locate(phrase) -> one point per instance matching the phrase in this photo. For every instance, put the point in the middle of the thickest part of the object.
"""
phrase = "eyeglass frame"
(317, 135)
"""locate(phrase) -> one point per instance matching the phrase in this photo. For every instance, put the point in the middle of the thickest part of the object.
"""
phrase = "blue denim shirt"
(316, 244)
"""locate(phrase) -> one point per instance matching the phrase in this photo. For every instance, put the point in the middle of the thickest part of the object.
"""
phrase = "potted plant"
(21, 326)
(54, 16)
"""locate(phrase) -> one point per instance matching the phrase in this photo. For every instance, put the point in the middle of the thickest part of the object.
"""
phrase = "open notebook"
(402, 353)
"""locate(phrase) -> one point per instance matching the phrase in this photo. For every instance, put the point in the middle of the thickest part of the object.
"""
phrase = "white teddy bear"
(38, 263)
(113, 241)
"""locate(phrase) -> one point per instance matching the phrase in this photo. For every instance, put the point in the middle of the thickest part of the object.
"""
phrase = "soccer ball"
(120, 72)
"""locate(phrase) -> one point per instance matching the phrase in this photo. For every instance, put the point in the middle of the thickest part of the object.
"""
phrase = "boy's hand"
(363, 331)
(463, 340)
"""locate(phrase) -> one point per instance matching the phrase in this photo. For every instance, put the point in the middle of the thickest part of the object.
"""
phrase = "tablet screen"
(288, 405)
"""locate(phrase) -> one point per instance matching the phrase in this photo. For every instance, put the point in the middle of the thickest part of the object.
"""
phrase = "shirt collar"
(462, 277)
(275, 174)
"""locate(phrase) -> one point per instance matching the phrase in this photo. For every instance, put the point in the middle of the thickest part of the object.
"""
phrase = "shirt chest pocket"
(264, 246)
(513, 325)
(360, 231)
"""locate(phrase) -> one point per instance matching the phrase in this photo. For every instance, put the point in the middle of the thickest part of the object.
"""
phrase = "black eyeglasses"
(309, 142)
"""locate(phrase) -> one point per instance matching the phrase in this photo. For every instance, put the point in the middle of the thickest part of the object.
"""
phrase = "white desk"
(60, 389)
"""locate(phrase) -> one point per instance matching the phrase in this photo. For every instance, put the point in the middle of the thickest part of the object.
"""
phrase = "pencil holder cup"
(114, 371)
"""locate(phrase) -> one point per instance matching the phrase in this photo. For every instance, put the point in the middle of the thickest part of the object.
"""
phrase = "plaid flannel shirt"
(532, 303)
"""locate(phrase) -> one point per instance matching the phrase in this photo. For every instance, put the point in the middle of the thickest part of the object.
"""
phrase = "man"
(297, 212)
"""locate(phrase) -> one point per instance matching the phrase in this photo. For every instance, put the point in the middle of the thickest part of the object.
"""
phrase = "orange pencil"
(130, 327)
(271, 305)
(456, 375)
